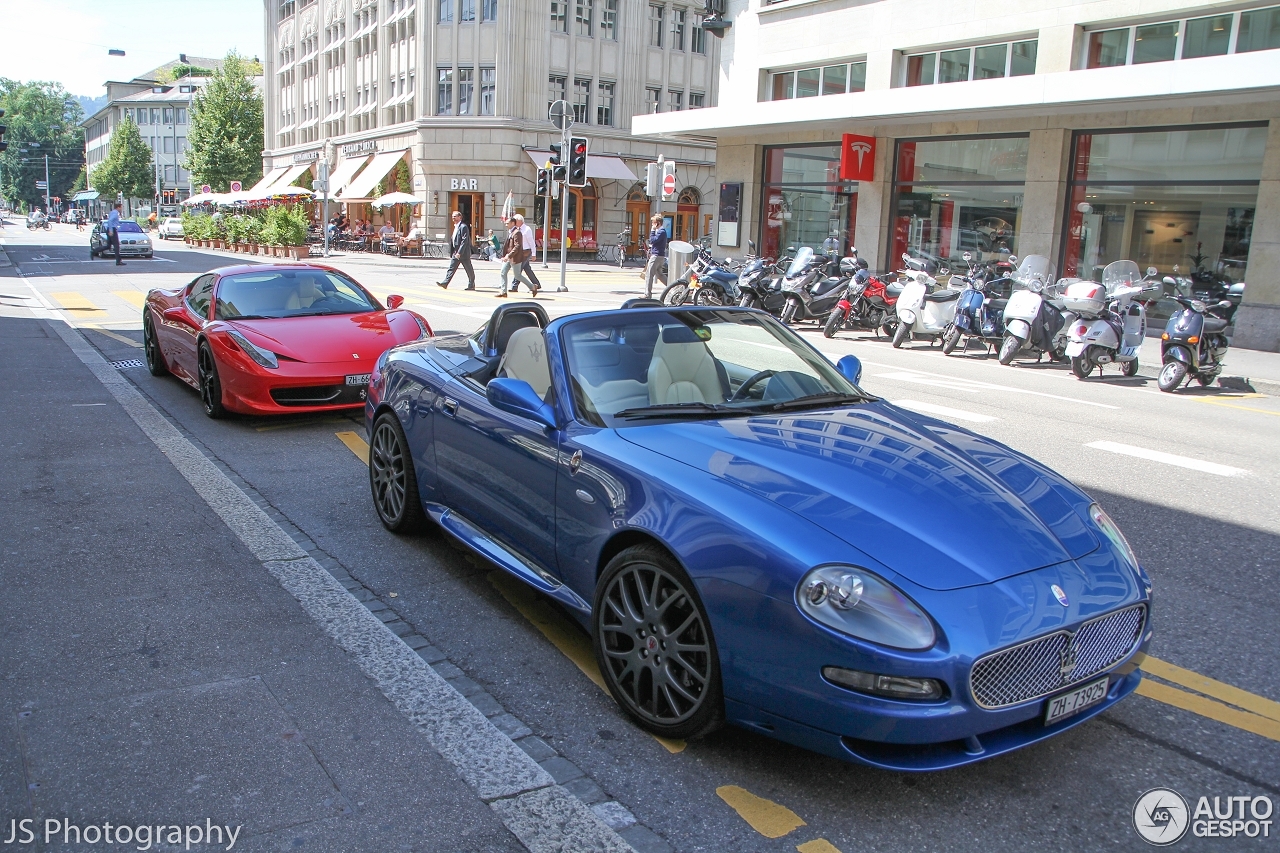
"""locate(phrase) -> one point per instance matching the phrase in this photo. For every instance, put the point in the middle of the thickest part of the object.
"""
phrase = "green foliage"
(304, 180)
(127, 171)
(43, 113)
(225, 137)
(185, 69)
(403, 180)
(197, 226)
(80, 183)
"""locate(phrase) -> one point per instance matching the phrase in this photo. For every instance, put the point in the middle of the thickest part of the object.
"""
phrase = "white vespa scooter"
(1111, 325)
(1034, 319)
(922, 308)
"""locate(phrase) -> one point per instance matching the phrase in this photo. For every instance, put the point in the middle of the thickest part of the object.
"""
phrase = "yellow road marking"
(1236, 406)
(765, 816)
(121, 338)
(73, 300)
(1210, 708)
(134, 297)
(355, 444)
(818, 845)
(1218, 690)
(571, 642)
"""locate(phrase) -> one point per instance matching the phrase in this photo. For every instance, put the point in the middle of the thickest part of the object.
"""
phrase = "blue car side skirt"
(471, 536)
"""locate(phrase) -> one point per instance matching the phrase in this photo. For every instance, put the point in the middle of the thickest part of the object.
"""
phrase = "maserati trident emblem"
(1060, 595)
(1067, 658)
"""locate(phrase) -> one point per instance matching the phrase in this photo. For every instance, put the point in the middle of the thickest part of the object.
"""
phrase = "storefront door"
(471, 206)
(638, 222)
(804, 202)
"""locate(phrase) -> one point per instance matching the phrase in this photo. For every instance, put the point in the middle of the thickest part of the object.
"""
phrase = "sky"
(67, 40)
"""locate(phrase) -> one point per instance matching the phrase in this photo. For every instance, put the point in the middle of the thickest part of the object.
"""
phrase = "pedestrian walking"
(460, 249)
(512, 257)
(656, 268)
(531, 253)
(113, 232)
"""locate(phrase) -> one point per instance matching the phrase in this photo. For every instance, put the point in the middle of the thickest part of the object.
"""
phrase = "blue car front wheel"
(654, 645)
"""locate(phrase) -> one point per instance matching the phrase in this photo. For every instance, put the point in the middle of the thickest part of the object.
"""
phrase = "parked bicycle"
(624, 238)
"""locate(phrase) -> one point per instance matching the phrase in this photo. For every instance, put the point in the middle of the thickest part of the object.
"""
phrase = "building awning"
(283, 178)
(269, 178)
(86, 195)
(601, 166)
(342, 175)
(362, 187)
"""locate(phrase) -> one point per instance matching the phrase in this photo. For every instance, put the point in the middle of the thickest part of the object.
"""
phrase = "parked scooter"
(809, 295)
(925, 308)
(980, 308)
(1112, 323)
(1193, 343)
(1035, 320)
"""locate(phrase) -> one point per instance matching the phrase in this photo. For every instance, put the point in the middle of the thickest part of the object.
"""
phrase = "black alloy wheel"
(1129, 368)
(151, 348)
(654, 646)
(675, 294)
(707, 296)
(834, 321)
(210, 386)
(1082, 365)
(392, 480)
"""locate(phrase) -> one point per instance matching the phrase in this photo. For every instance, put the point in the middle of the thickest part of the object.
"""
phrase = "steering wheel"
(741, 393)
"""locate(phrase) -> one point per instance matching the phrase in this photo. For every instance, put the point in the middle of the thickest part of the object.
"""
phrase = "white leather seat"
(304, 294)
(683, 370)
(526, 358)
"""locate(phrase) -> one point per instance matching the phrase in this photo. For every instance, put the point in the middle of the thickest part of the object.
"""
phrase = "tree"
(128, 170)
(42, 118)
(225, 138)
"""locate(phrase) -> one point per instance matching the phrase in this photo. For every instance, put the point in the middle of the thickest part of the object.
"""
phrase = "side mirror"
(850, 368)
(394, 301)
(1152, 271)
(1013, 259)
(1169, 281)
(968, 257)
(517, 397)
(751, 246)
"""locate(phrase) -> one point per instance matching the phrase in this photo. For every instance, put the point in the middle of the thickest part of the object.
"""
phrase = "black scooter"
(1193, 343)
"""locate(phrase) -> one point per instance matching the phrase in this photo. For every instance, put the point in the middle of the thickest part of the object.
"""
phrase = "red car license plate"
(1068, 704)
(358, 379)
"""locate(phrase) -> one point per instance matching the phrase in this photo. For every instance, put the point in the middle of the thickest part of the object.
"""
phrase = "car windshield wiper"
(810, 401)
(249, 317)
(678, 410)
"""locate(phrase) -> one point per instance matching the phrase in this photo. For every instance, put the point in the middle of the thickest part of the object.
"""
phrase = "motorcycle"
(868, 303)
(1193, 343)
(703, 282)
(809, 295)
(760, 284)
(1112, 324)
(1035, 319)
(925, 308)
(33, 224)
(980, 308)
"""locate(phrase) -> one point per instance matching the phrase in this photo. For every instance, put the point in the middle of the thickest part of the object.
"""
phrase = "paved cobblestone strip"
(543, 815)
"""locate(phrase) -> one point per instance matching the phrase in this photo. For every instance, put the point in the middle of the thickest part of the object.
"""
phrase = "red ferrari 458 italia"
(273, 339)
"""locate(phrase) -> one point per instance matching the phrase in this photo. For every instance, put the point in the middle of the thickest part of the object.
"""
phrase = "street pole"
(48, 193)
(564, 207)
(323, 170)
(546, 226)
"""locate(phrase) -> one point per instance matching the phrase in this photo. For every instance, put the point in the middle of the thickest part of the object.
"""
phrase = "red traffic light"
(580, 148)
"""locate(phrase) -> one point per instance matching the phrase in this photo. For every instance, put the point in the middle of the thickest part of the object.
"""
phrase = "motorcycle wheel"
(888, 327)
(834, 321)
(1129, 368)
(949, 340)
(748, 300)
(706, 296)
(1082, 366)
(788, 312)
(1171, 376)
(1204, 380)
(900, 335)
(674, 294)
(1009, 348)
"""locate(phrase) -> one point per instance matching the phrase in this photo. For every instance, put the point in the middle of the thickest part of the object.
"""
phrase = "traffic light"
(652, 180)
(557, 149)
(577, 161)
(558, 173)
(3, 145)
(544, 182)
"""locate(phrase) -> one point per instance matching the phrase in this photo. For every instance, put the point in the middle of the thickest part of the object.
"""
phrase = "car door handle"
(450, 406)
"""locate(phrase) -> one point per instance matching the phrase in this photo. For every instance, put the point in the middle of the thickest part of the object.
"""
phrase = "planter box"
(300, 253)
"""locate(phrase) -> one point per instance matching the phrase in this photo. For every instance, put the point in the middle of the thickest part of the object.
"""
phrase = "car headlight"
(264, 357)
(856, 602)
(424, 331)
(1112, 531)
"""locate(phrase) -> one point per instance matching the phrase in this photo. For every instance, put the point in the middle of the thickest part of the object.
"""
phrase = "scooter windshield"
(803, 258)
(1033, 273)
(1121, 274)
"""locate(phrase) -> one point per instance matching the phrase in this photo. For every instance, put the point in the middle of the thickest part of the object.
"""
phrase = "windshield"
(289, 293)
(631, 369)
(130, 227)
(1120, 274)
(803, 257)
(1034, 272)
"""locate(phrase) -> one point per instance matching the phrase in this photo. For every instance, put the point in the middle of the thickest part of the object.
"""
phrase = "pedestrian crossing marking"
(134, 297)
(72, 300)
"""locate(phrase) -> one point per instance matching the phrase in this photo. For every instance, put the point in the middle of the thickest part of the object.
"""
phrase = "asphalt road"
(1192, 479)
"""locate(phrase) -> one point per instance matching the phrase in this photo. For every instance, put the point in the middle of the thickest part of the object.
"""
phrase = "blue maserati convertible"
(751, 538)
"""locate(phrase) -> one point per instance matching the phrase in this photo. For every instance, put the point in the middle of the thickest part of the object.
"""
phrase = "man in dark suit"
(460, 247)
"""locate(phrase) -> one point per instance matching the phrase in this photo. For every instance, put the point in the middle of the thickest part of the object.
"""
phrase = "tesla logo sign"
(857, 157)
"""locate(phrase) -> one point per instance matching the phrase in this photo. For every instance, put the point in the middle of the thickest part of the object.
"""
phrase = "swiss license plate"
(1067, 704)
(358, 379)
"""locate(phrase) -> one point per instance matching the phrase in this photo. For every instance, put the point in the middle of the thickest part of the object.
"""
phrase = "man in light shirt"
(531, 253)
(113, 232)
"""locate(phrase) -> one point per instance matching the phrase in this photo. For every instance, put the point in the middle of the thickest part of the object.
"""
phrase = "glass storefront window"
(805, 203)
(956, 195)
(1164, 197)
(1107, 49)
(1207, 37)
(807, 83)
(1259, 30)
(1155, 43)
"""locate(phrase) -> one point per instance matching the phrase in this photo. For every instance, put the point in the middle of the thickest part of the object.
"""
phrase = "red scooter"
(868, 303)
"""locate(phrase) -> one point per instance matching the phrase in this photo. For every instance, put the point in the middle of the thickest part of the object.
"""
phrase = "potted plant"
(294, 232)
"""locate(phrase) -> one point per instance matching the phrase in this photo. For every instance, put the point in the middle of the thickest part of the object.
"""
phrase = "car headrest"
(526, 358)
(512, 323)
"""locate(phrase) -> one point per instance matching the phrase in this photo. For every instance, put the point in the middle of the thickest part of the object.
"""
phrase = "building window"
(675, 100)
(695, 100)
(609, 20)
(488, 10)
(698, 36)
(488, 91)
(604, 105)
(168, 115)
(652, 100)
(810, 82)
(953, 196)
(677, 29)
(655, 24)
(1164, 197)
(582, 16)
(582, 101)
(556, 89)
(982, 62)
(804, 202)
(467, 11)
(444, 91)
(559, 23)
(466, 90)
(444, 12)
(1190, 38)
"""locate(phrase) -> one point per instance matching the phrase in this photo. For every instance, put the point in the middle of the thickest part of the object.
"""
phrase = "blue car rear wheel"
(392, 479)
(654, 646)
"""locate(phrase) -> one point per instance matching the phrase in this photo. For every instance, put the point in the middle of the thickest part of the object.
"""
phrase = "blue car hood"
(941, 506)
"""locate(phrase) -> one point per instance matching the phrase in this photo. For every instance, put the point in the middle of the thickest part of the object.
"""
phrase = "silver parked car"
(133, 242)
